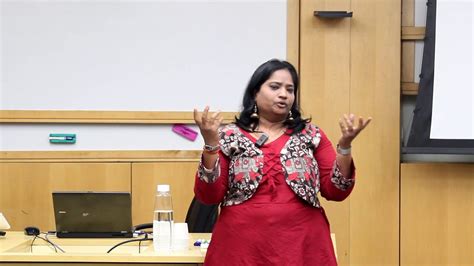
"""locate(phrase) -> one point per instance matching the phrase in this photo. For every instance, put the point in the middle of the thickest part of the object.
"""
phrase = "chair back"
(201, 217)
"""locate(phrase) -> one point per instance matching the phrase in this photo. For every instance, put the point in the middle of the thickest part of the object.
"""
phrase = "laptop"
(92, 214)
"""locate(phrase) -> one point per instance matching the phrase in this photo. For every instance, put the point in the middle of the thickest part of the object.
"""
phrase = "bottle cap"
(163, 188)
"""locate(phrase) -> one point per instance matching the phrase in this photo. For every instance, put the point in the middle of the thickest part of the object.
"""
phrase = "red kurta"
(275, 226)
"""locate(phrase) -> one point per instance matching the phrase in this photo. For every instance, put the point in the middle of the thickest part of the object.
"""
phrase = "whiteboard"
(135, 55)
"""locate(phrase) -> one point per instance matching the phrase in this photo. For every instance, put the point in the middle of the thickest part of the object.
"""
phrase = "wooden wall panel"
(325, 81)
(25, 188)
(353, 65)
(437, 214)
(180, 176)
(375, 91)
(293, 38)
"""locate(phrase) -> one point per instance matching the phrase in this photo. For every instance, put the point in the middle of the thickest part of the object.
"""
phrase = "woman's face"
(276, 96)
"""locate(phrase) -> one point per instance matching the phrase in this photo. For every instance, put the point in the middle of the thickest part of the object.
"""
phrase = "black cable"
(51, 242)
(47, 241)
(129, 241)
(140, 247)
(140, 242)
(33, 241)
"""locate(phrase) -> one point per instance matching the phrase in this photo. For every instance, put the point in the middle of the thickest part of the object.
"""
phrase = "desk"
(15, 249)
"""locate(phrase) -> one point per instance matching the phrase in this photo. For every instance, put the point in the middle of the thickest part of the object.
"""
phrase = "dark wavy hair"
(262, 74)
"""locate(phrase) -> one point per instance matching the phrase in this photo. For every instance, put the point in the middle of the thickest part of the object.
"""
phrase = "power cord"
(40, 237)
(145, 238)
(46, 239)
(57, 247)
(46, 234)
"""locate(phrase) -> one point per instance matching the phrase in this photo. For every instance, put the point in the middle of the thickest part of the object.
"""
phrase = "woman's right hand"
(208, 124)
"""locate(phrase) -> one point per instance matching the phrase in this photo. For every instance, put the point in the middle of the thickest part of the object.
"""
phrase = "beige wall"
(25, 188)
(437, 214)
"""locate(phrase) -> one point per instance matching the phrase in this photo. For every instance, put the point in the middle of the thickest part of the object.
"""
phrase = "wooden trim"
(410, 88)
(100, 156)
(413, 33)
(408, 48)
(293, 32)
(101, 117)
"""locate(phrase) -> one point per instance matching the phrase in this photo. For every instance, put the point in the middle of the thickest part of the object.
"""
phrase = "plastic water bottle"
(163, 219)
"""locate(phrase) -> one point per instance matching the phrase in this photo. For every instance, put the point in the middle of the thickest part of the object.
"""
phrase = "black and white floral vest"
(246, 165)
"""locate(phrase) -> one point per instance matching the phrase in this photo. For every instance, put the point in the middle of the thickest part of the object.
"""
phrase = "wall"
(139, 57)
(28, 178)
(122, 156)
(436, 199)
(437, 214)
(353, 66)
(135, 55)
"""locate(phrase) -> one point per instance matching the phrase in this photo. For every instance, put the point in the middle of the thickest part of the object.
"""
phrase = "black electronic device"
(32, 231)
(260, 141)
(92, 214)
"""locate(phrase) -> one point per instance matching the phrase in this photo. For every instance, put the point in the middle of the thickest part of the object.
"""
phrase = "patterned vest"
(246, 164)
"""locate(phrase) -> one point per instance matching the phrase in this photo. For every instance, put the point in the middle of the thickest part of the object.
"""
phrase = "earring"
(255, 115)
(290, 116)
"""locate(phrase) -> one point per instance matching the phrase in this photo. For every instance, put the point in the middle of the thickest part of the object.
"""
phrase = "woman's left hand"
(349, 130)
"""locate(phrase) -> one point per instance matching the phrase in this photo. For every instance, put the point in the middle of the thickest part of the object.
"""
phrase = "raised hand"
(349, 130)
(208, 124)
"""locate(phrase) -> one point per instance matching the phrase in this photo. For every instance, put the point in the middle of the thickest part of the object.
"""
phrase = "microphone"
(260, 141)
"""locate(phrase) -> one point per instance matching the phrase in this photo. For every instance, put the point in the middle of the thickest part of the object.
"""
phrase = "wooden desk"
(15, 249)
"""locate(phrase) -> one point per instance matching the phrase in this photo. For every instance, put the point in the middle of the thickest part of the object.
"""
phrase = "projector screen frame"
(419, 141)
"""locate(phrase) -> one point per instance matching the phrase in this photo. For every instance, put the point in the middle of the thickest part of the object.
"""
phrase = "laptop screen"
(92, 214)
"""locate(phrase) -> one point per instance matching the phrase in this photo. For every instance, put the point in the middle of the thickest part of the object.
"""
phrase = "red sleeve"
(334, 186)
(211, 187)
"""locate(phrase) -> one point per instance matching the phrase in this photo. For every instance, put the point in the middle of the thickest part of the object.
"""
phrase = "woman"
(266, 170)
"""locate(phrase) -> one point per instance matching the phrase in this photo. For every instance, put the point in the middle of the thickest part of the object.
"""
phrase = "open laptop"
(92, 214)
